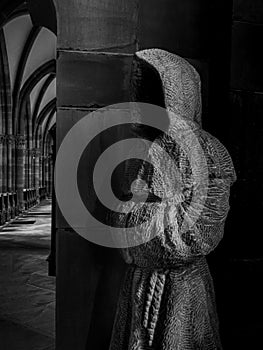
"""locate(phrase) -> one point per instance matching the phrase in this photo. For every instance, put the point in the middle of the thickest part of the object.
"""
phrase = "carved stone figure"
(167, 301)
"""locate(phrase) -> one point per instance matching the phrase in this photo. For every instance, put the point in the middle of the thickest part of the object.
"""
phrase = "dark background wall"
(239, 286)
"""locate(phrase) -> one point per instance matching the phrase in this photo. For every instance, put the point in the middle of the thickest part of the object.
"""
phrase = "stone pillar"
(5, 214)
(31, 145)
(47, 171)
(4, 163)
(30, 169)
(2, 204)
(44, 171)
(10, 146)
(36, 180)
(26, 168)
(50, 173)
(20, 170)
(2, 143)
(40, 171)
(10, 160)
(96, 42)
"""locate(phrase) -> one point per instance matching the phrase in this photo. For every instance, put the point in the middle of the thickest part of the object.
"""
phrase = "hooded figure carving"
(167, 299)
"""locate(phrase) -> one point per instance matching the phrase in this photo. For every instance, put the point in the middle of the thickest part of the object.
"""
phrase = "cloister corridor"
(27, 294)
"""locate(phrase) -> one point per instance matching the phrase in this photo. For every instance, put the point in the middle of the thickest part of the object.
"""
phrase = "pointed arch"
(43, 114)
(41, 94)
(21, 67)
(7, 8)
(47, 126)
(21, 10)
(47, 68)
(5, 86)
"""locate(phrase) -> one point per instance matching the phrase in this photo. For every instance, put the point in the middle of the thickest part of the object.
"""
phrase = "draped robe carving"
(167, 301)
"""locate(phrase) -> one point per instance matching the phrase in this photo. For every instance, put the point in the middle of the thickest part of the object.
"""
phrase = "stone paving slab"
(27, 293)
(16, 337)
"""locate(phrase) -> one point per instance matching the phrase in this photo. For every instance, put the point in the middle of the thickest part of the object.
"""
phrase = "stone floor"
(27, 293)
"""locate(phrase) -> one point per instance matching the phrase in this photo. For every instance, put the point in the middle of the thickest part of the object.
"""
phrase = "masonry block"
(97, 25)
(88, 79)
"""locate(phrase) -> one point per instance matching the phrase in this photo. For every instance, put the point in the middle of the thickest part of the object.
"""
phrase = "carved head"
(169, 81)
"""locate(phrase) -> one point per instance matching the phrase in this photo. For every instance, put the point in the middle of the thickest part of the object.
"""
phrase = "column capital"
(20, 141)
(2, 139)
(7, 139)
(36, 152)
(10, 140)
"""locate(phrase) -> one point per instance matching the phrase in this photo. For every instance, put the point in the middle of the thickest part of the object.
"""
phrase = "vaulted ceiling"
(30, 51)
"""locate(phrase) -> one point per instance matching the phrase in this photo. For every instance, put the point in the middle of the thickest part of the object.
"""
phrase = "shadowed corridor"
(27, 293)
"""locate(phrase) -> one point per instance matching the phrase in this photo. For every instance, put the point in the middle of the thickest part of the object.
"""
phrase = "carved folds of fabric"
(167, 302)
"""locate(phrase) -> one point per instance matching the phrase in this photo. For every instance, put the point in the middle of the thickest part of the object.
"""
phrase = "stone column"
(40, 171)
(4, 169)
(43, 171)
(30, 169)
(10, 144)
(36, 180)
(50, 173)
(10, 160)
(26, 168)
(46, 173)
(20, 170)
(2, 143)
(2, 165)
(41, 165)
(96, 42)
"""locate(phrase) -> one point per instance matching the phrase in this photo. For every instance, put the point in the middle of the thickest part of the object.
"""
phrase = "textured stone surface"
(17, 337)
(92, 289)
(66, 119)
(90, 282)
(202, 68)
(97, 25)
(247, 58)
(87, 79)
